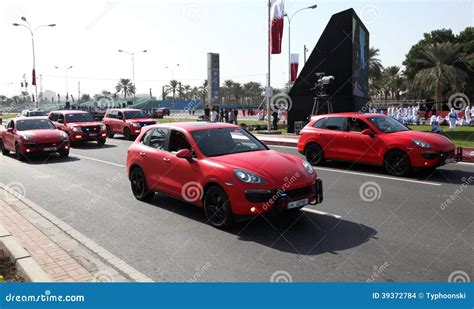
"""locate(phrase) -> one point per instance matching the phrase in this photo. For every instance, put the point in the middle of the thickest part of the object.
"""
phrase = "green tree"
(125, 86)
(375, 65)
(441, 69)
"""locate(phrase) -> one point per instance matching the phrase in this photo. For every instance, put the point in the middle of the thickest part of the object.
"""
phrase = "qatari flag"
(294, 60)
(33, 82)
(277, 12)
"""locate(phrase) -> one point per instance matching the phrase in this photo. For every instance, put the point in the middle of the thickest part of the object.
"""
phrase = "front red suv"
(373, 139)
(126, 121)
(79, 125)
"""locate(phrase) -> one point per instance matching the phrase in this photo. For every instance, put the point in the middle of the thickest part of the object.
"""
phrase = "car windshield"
(135, 115)
(37, 113)
(34, 124)
(224, 141)
(387, 124)
(83, 117)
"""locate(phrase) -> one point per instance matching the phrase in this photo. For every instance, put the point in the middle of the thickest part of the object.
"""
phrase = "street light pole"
(289, 38)
(171, 68)
(32, 32)
(132, 56)
(66, 69)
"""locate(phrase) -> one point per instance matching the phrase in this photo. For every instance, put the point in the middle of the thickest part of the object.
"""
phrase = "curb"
(25, 264)
(110, 259)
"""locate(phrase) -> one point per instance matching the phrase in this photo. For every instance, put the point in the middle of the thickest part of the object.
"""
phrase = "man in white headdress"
(467, 115)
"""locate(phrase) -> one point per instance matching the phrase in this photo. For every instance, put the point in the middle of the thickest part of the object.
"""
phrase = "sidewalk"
(62, 252)
(59, 265)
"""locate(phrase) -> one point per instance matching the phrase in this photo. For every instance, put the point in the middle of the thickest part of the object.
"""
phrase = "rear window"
(336, 123)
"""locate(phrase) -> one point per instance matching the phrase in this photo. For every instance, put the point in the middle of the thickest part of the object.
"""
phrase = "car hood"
(83, 124)
(436, 140)
(45, 135)
(276, 168)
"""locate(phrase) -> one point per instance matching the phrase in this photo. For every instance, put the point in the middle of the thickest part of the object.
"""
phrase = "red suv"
(32, 135)
(128, 122)
(79, 125)
(373, 139)
(221, 168)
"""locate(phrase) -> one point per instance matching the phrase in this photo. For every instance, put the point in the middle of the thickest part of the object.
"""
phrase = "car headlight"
(76, 129)
(248, 177)
(64, 135)
(103, 127)
(26, 137)
(308, 167)
(421, 143)
(136, 125)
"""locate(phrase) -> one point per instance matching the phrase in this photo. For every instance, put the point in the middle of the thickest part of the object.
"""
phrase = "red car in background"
(79, 125)
(373, 139)
(126, 121)
(221, 168)
(32, 135)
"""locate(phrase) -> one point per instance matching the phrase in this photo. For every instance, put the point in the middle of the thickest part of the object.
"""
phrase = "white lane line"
(322, 213)
(97, 160)
(379, 176)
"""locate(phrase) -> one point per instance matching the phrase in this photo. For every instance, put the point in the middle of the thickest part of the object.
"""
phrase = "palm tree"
(105, 93)
(442, 71)
(375, 65)
(125, 86)
(203, 89)
(392, 82)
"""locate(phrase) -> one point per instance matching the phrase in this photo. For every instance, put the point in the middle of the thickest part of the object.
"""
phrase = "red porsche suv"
(373, 139)
(32, 135)
(126, 121)
(79, 125)
(221, 168)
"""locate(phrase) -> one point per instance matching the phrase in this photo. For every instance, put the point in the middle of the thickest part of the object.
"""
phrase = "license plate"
(449, 161)
(92, 134)
(299, 203)
(50, 149)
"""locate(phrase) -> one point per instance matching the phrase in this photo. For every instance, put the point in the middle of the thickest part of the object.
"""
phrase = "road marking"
(98, 160)
(322, 213)
(379, 176)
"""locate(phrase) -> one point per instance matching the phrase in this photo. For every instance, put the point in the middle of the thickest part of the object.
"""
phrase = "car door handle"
(166, 159)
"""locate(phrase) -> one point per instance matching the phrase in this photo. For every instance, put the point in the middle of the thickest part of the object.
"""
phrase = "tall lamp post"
(65, 69)
(132, 56)
(32, 31)
(289, 38)
(172, 68)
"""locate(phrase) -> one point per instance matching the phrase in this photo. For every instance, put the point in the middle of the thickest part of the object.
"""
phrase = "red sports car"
(32, 135)
(373, 139)
(219, 167)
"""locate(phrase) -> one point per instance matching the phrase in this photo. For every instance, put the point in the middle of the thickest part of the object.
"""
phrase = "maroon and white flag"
(33, 82)
(277, 12)
(294, 60)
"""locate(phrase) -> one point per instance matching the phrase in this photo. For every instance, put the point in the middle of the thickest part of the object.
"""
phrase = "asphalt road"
(404, 231)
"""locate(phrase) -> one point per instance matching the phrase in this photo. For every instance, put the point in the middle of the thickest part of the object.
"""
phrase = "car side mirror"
(185, 154)
(368, 132)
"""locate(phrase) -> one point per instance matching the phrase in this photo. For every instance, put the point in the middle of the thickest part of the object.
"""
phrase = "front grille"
(91, 129)
(299, 192)
(49, 145)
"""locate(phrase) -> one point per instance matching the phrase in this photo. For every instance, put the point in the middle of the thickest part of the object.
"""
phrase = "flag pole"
(268, 93)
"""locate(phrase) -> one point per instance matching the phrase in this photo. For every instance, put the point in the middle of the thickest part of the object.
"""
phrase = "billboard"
(213, 78)
(360, 58)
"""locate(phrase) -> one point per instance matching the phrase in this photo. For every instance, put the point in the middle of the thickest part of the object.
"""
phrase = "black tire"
(5, 151)
(127, 134)
(397, 163)
(19, 155)
(139, 186)
(64, 153)
(217, 208)
(110, 134)
(314, 154)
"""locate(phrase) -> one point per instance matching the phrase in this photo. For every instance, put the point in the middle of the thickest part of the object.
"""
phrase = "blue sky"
(89, 33)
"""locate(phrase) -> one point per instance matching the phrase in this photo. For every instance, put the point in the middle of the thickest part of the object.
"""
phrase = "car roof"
(30, 118)
(347, 114)
(196, 125)
(124, 109)
(70, 112)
